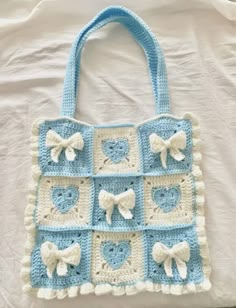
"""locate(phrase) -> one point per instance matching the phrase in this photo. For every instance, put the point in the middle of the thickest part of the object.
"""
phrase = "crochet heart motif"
(115, 149)
(166, 198)
(116, 254)
(64, 198)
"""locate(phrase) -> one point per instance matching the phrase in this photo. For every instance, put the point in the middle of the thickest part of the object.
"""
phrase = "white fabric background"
(199, 41)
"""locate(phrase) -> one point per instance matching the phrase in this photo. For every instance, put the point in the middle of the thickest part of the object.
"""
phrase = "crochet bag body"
(116, 208)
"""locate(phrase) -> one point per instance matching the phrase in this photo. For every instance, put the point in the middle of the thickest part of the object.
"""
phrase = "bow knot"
(57, 144)
(65, 143)
(125, 202)
(167, 143)
(179, 252)
(57, 259)
(58, 254)
(174, 144)
(116, 200)
(171, 253)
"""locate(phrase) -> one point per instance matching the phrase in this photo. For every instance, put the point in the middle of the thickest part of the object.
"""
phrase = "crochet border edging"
(200, 200)
(100, 289)
(29, 211)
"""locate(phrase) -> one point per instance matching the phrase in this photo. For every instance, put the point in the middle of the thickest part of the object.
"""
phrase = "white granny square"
(48, 214)
(182, 213)
(131, 264)
(116, 150)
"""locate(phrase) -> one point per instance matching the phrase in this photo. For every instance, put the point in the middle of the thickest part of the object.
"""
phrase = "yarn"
(122, 157)
(116, 208)
(64, 198)
(166, 198)
(124, 201)
(57, 144)
(115, 254)
(174, 144)
(180, 253)
(116, 149)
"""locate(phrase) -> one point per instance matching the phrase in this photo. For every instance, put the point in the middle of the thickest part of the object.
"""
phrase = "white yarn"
(182, 213)
(125, 274)
(125, 202)
(179, 252)
(47, 213)
(57, 259)
(104, 165)
(57, 144)
(174, 144)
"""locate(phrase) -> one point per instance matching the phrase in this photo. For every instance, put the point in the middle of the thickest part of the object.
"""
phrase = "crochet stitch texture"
(118, 208)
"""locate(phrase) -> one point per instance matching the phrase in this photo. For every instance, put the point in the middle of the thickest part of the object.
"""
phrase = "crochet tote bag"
(116, 208)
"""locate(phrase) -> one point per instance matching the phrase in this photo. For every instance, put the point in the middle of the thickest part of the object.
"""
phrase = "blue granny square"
(116, 186)
(81, 165)
(169, 238)
(76, 275)
(165, 127)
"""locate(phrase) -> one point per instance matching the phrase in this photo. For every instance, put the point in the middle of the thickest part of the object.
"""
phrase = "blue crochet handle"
(145, 39)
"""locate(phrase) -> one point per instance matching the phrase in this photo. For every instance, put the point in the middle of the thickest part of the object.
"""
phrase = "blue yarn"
(64, 198)
(116, 149)
(83, 163)
(117, 186)
(165, 127)
(114, 125)
(169, 238)
(115, 254)
(167, 198)
(77, 275)
(106, 228)
(142, 34)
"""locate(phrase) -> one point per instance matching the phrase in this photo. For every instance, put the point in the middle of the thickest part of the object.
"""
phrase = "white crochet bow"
(125, 202)
(179, 252)
(174, 144)
(57, 259)
(57, 143)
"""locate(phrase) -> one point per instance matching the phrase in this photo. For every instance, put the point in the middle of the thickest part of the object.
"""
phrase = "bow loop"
(182, 251)
(160, 252)
(76, 141)
(157, 144)
(125, 202)
(57, 259)
(57, 144)
(179, 252)
(174, 144)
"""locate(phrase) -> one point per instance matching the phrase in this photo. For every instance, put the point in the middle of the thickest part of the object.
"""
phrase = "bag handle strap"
(144, 37)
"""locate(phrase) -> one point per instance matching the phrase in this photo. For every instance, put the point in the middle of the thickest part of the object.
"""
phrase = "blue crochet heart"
(166, 198)
(64, 198)
(115, 149)
(116, 254)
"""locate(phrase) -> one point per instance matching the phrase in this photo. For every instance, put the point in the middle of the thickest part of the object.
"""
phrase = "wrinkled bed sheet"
(199, 41)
